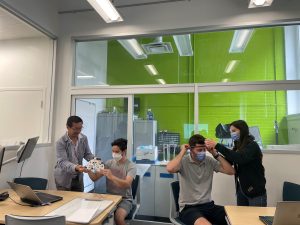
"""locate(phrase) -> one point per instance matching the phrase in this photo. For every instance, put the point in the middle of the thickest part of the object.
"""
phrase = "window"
(160, 77)
(266, 113)
(269, 55)
(26, 78)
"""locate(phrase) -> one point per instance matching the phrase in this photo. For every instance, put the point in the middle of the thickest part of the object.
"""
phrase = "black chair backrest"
(36, 183)
(175, 191)
(134, 185)
(291, 191)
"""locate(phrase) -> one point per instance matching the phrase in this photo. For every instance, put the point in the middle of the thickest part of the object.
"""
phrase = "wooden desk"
(9, 207)
(246, 215)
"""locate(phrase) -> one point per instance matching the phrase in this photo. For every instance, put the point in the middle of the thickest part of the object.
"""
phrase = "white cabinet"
(162, 191)
(147, 192)
(155, 192)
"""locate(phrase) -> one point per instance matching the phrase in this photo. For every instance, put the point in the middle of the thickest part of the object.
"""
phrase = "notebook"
(29, 196)
(286, 213)
(81, 210)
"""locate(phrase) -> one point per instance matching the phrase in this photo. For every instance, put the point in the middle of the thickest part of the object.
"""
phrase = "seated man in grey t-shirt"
(120, 173)
(195, 172)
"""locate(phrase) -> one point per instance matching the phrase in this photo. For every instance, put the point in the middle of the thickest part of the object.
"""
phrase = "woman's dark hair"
(196, 139)
(121, 143)
(73, 119)
(245, 136)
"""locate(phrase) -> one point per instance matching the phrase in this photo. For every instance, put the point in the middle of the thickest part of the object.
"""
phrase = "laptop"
(31, 197)
(286, 213)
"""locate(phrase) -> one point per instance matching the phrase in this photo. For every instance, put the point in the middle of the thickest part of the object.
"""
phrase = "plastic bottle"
(150, 115)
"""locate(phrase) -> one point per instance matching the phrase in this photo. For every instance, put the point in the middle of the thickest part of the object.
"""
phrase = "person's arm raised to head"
(225, 166)
(174, 165)
(244, 156)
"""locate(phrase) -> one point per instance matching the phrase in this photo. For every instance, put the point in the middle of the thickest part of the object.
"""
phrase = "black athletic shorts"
(215, 214)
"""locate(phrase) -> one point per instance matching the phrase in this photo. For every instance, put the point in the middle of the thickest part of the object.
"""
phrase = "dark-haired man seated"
(120, 173)
(195, 179)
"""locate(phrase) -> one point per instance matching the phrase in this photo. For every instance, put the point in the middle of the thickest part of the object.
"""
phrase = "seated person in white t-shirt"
(195, 172)
(119, 173)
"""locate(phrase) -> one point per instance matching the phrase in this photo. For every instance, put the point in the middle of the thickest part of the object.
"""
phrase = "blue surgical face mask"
(235, 136)
(200, 156)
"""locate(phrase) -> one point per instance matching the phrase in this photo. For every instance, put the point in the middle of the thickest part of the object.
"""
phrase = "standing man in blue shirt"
(71, 149)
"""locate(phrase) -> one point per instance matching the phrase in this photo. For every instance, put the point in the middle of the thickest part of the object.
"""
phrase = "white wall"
(26, 62)
(25, 71)
(42, 12)
(38, 165)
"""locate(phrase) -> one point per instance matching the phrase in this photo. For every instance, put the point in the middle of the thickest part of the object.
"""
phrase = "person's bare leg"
(202, 221)
(120, 215)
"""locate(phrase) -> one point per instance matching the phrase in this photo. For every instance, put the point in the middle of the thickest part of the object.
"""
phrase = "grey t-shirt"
(120, 170)
(195, 180)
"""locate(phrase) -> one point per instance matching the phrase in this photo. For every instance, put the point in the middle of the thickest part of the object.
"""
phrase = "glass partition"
(164, 121)
(104, 120)
(268, 114)
(26, 81)
(225, 59)
(258, 54)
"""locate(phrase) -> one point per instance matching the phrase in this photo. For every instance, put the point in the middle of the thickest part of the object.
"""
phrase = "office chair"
(135, 188)
(174, 206)
(34, 220)
(291, 191)
(36, 183)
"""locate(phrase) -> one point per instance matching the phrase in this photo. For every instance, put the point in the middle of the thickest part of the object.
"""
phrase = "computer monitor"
(27, 150)
(254, 131)
(2, 150)
(222, 131)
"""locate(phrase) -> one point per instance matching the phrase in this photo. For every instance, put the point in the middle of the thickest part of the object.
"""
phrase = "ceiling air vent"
(158, 47)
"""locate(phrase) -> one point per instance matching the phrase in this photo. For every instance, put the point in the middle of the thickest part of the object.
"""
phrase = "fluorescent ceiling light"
(240, 40)
(134, 48)
(106, 10)
(183, 44)
(259, 3)
(161, 81)
(151, 69)
(85, 77)
(231, 66)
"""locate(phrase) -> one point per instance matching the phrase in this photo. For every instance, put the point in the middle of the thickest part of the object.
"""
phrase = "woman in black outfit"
(246, 157)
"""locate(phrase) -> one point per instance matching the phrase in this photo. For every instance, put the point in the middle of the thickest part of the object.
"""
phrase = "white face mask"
(117, 156)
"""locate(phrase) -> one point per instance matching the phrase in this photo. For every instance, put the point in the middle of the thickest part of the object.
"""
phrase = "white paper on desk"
(80, 210)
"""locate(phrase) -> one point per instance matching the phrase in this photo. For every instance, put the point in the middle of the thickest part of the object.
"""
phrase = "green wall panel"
(263, 59)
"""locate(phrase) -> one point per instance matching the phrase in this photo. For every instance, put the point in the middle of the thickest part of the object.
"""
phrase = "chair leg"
(227, 221)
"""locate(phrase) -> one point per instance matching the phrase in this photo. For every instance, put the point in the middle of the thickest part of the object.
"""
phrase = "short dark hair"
(73, 119)
(121, 143)
(196, 139)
